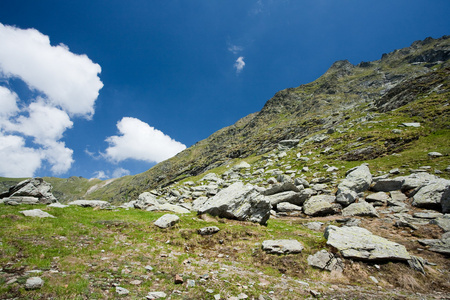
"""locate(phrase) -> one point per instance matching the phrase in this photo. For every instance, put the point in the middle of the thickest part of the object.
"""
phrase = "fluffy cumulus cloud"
(67, 86)
(239, 64)
(140, 141)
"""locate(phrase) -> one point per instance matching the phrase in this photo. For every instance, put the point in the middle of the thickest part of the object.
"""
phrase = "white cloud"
(16, 160)
(32, 129)
(239, 64)
(235, 49)
(68, 80)
(120, 172)
(140, 141)
(100, 175)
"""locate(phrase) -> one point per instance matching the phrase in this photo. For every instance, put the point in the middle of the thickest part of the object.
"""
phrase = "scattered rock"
(34, 283)
(288, 207)
(239, 202)
(36, 213)
(35, 187)
(178, 279)
(90, 203)
(434, 195)
(166, 221)
(282, 246)
(156, 295)
(208, 230)
(58, 205)
(434, 154)
(362, 209)
(378, 199)
(357, 180)
(122, 291)
(359, 243)
(325, 261)
(290, 196)
(416, 125)
(316, 226)
(319, 206)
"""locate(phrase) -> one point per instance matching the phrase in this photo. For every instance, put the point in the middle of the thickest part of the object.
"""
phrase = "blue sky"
(109, 88)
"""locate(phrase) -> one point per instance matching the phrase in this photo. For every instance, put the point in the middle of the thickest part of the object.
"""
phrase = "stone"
(360, 243)
(326, 261)
(239, 202)
(58, 205)
(156, 295)
(211, 177)
(319, 206)
(288, 207)
(287, 144)
(299, 181)
(346, 196)
(282, 246)
(417, 180)
(388, 184)
(357, 180)
(417, 263)
(241, 165)
(434, 154)
(208, 230)
(145, 200)
(190, 283)
(168, 207)
(122, 291)
(427, 215)
(413, 124)
(36, 213)
(316, 226)
(378, 199)
(34, 283)
(90, 203)
(178, 279)
(281, 187)
(362, 209)
(443, 222)
(167, 220)
(34, 187)
(21, 200)
(435, 195)
(297, 198)
(396, 198)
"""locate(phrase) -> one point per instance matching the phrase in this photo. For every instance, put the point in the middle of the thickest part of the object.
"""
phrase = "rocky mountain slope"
(355, 104)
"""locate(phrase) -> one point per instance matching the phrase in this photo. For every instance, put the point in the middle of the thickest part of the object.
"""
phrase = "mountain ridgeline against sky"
(416, 77)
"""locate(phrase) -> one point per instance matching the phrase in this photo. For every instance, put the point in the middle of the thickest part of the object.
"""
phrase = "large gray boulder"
(320, 205)
(434, 195)
(362, 209)
(145, 200)
(90, 203)
(282, 246)
(281, 187)
(166, 221)
(37, 213)
(289, 196)
(358, 180)
(359, 243)
(35, 188)
(239, 202)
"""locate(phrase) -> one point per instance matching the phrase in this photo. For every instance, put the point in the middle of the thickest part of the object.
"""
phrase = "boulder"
(378, 199)
(15, 200)
(90, 203)
(287, 144)
(37, 213)
(362, 209)
(326, 261)
(168, 207)
(320, 205)
(316, 226)
(282, 246)
(288, 207)
(241, 165)
(388, 184)
(434, 195)
(281, 187)
(239, 202)
(360, 243)
(34, 187)
(417, 180)
(345, 195)
(166, 221)
(290, 196)
(358, 180)
(443, 222)
(145, 200)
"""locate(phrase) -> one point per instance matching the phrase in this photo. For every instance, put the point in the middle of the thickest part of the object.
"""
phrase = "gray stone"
(413, 124)
(417, 263)
(90, 203)
(58, 205)
(156, 295)
(166, 221)
(417, 180)
(37, 213)
(288, 207)
(362, 209)
(434, 154)
(378, 199)
(198, 203)
(443, 222)
(34, 283)
(297, 198)
(435, 195)
(427, 215)
(388, 184)
(282, 246)
(168, 207)
(357, 181)
(21, 200)
(316, 226)
(359, 243)
(145, 200)
(287, 144)
(281, 187)
(122, 291)
(301, 182)
(345, 196)
(35, 187)
(208, 230)
(325, 261)
(397, 197)
(239, 202)
(241, 165)
(319, 206)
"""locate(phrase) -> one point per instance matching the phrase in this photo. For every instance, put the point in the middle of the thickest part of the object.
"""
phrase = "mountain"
(351, 114)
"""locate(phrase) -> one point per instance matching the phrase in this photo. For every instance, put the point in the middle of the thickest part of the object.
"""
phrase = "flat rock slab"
(90, 203)
(362, 209)
(166, 221)
(37, 213)
(325, 261)
(282, 246)
(360, 243)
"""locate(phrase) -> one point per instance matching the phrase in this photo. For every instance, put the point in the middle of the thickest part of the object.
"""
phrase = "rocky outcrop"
(90, 203)
(326, 261)
(166, 221)
(30, 191)
(434, 195)
(239, 202)
(357, 181)
(360, 243)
